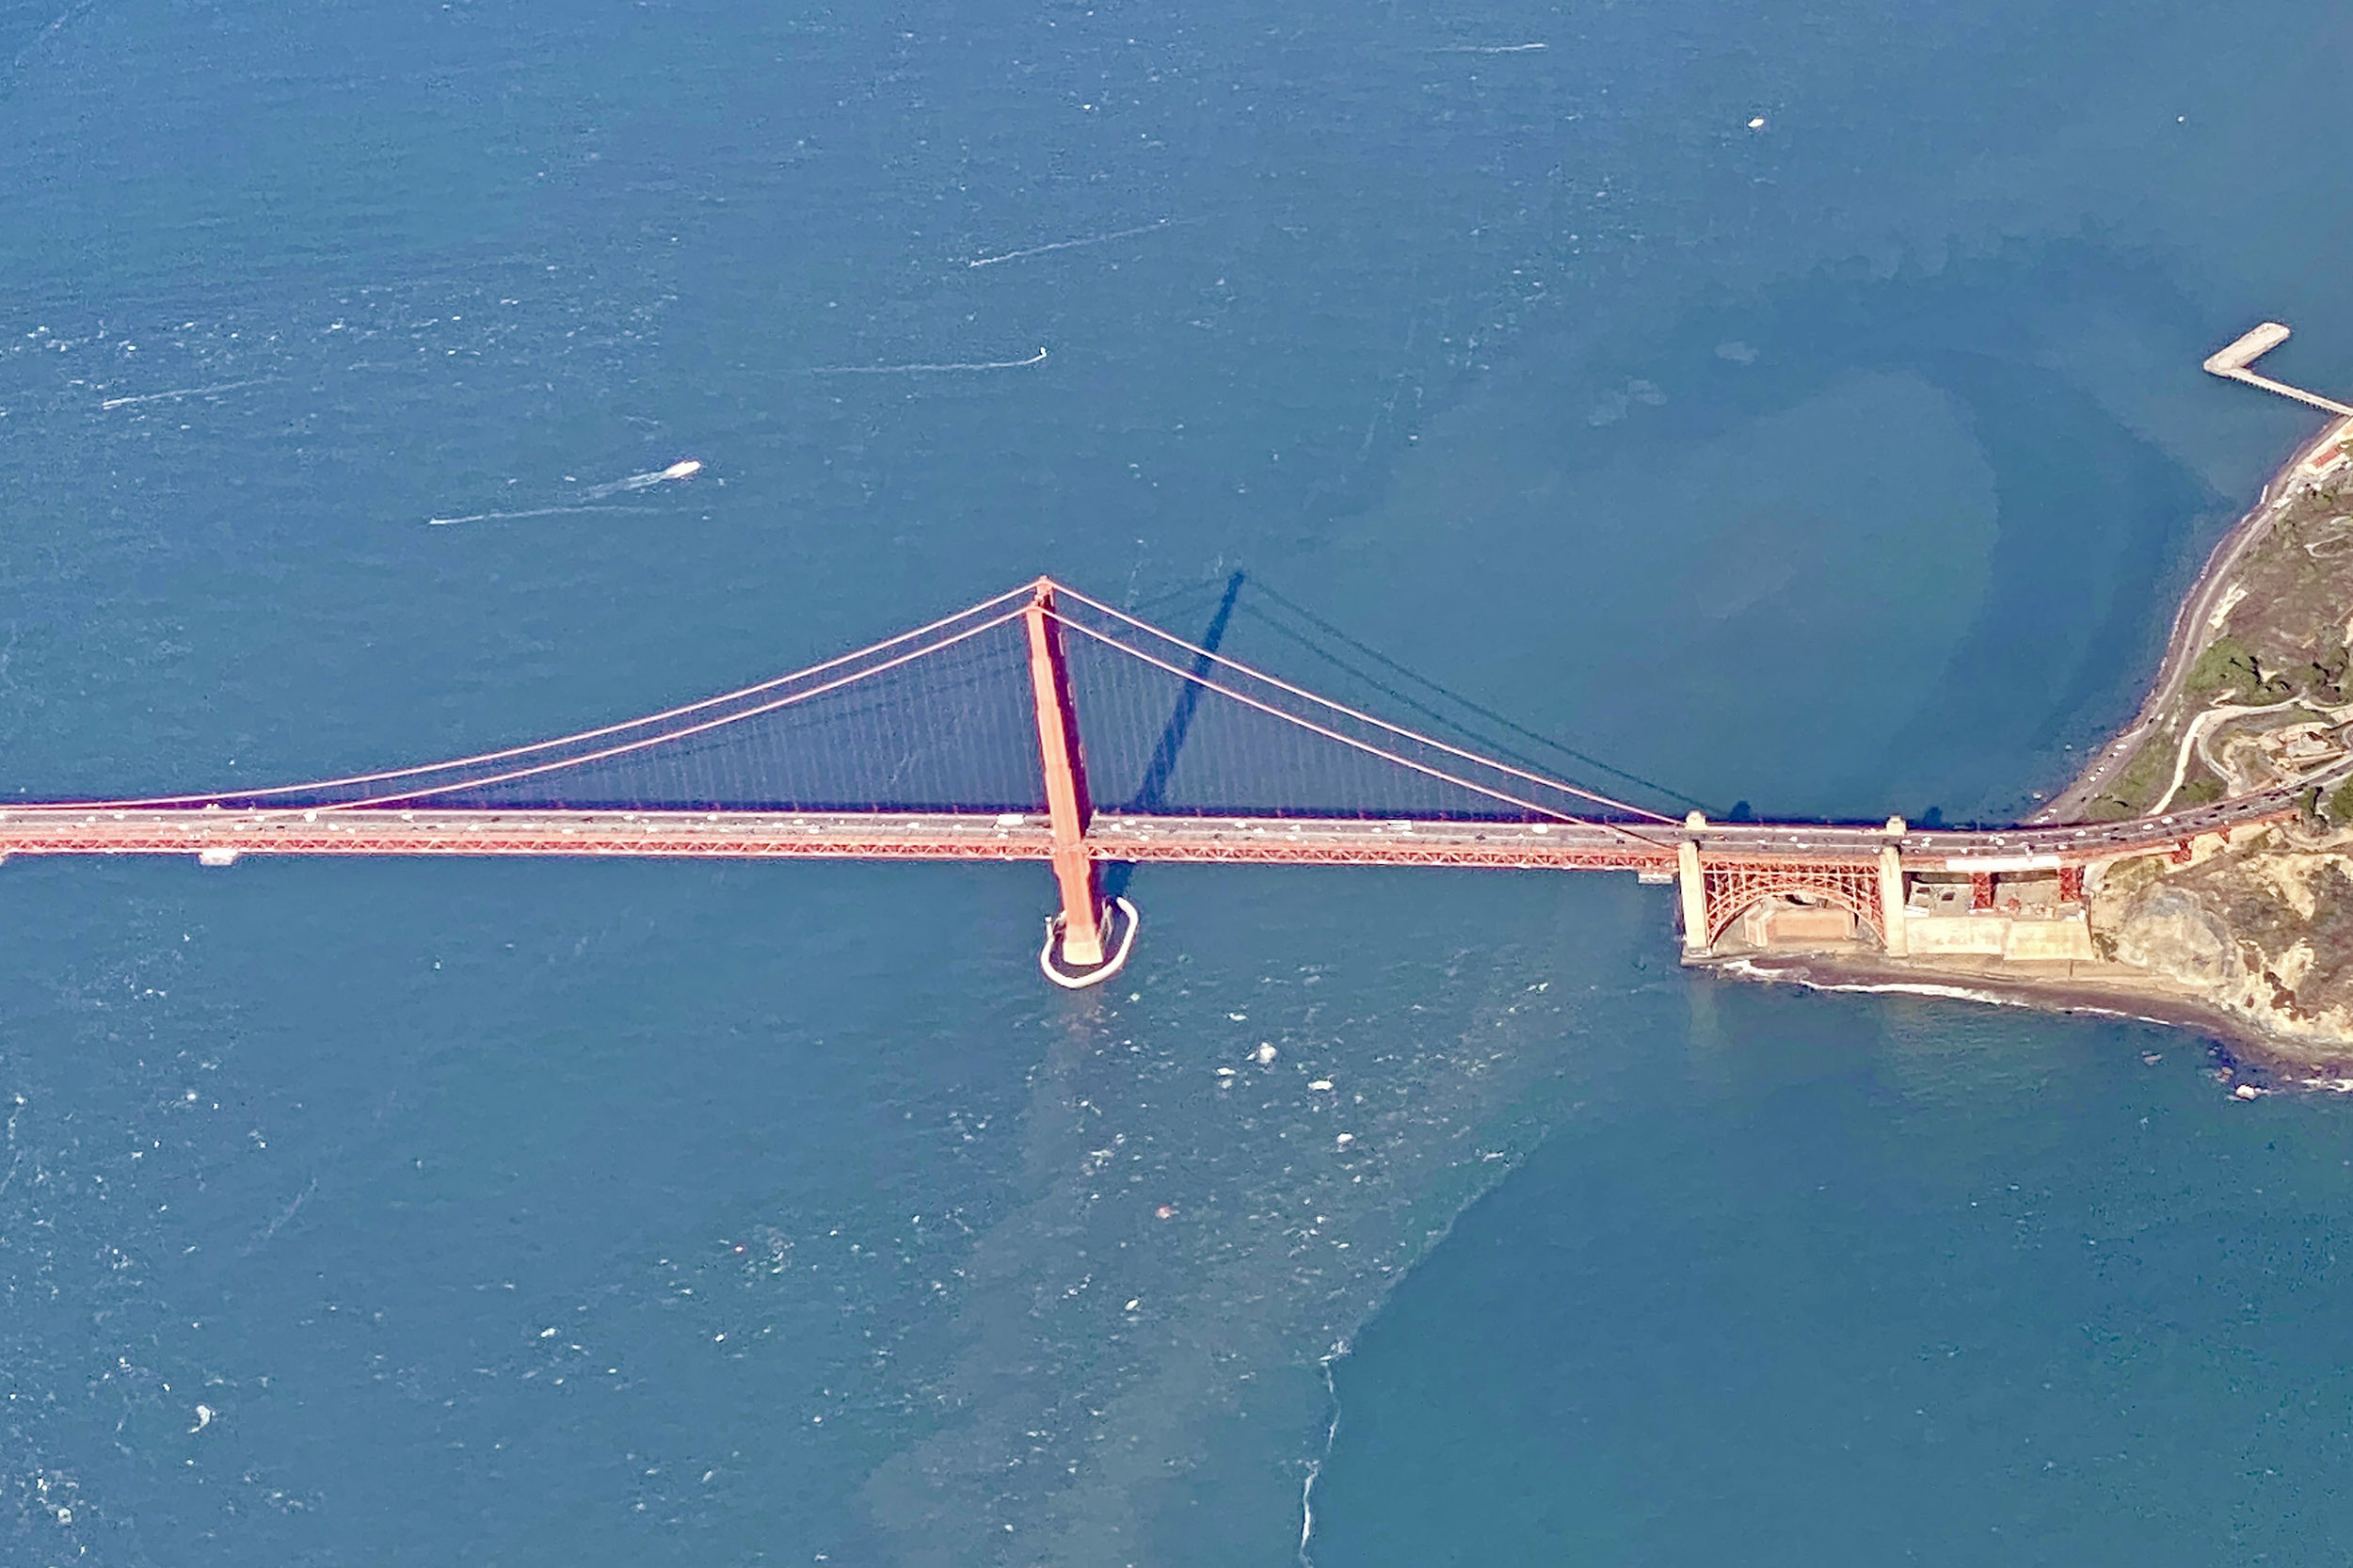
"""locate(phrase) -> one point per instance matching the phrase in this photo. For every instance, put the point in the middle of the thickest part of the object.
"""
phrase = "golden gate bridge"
(1043, 724)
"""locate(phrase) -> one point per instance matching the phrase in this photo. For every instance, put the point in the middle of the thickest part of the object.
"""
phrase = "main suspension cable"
(1396, 729)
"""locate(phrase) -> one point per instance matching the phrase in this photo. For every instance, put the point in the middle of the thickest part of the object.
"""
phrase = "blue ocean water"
(1799, 409)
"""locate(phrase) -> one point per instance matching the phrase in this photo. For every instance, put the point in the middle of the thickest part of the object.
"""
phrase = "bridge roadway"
(218, 835)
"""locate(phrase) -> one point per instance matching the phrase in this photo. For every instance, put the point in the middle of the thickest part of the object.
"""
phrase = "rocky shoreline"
(2245, 1056)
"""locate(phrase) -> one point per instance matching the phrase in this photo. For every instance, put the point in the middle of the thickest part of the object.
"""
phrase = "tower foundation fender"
(1116, 937)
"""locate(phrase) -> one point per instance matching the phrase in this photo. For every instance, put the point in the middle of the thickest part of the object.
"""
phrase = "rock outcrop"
(2263, 931)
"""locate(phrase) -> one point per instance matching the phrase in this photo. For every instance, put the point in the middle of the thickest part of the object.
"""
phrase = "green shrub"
(2230, 665)
(2227, 663)
(2199, 791)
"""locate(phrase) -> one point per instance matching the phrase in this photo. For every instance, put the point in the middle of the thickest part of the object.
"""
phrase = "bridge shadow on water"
(1150, 794)
(1381, 683)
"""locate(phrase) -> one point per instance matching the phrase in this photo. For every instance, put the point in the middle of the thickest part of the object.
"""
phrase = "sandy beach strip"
(2235, 1041)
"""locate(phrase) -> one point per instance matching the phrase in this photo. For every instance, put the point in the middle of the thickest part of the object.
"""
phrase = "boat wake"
(1036, 358)
(687, 470)
(527, 512)
(1080, 244)
(176, 393)
(684, 469)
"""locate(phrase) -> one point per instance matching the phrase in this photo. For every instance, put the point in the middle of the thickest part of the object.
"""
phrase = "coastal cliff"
(2263, 931)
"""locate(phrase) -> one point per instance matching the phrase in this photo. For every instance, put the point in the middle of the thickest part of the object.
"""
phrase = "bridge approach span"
(223, 834)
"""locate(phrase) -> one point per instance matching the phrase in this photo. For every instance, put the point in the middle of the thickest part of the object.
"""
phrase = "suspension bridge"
(1046, 726)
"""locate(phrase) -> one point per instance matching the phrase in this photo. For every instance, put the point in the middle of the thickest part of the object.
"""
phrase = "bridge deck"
(217, 834)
